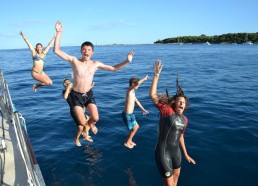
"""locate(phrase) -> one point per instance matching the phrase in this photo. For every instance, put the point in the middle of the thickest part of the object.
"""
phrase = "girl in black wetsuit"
(172, 125)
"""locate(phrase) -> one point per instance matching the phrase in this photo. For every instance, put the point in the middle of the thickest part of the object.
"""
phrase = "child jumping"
(128, 112)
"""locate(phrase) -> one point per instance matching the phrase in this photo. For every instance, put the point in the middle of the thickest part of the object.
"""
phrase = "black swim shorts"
(82, 99)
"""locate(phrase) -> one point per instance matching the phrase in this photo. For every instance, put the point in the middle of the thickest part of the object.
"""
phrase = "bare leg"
(172, 181)
(42, 78)
(86, 130)
(129, 141)
(92, 126)
(176, 175)
(169, 181)
(86, 135)
(79, 113)
(78, 134)
(36, 86)
(93, 110)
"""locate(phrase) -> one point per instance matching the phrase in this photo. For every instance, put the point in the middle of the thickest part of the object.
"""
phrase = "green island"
(230, 38)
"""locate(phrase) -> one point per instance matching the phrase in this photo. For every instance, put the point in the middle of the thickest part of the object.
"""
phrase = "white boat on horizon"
(207, 43)
(246, 41)
(179, 42)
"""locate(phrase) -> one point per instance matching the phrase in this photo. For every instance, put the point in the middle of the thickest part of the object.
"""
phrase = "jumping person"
(172, 124)
(39, 58)
(68, 85)
(128, 112)
(83, 72)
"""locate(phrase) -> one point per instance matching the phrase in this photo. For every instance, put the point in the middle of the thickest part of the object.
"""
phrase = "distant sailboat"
(178, 41)
(207, 43)
(246, 41)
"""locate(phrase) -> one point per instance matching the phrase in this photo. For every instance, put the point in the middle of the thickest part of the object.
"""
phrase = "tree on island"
(238, 38)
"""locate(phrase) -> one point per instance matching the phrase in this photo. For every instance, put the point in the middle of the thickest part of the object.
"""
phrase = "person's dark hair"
(133, 80)
(179, 93)
(64, 82)
(175, 97)
(39, 44)
(87, 43)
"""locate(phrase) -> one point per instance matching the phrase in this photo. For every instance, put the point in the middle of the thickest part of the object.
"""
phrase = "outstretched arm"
(142, 80)
(138, 83)
(57, 50)
(182, 144)
(32, 49)
(153, 89)
(118, 66)
(49, 45)
(144, 112)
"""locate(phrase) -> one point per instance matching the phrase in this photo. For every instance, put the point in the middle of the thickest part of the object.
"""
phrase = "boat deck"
(14, 167)
(18, 164)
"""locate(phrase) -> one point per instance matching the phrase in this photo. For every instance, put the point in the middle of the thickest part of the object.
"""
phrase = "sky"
(122, 22)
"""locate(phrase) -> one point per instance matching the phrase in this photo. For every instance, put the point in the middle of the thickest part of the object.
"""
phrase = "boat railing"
(5, 93)
(3, 149)
(35, 177)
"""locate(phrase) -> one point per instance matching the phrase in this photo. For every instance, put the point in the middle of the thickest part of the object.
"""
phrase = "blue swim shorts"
(129, 120)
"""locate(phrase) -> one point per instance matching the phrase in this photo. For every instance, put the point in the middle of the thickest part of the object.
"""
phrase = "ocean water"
(222, 136)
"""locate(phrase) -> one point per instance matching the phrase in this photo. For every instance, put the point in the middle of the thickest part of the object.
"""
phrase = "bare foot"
(93, 128)
(77, 142)
(132, 143)
(128, 145)
(35, 87)
(87, 137)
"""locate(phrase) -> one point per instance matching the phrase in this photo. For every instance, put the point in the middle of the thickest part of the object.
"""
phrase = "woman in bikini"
(39, 57)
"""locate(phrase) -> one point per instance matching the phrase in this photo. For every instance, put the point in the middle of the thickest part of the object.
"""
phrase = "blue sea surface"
(222, 136)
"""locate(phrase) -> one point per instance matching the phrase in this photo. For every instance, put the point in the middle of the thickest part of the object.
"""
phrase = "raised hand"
(59, 26)
(157, 67)
(146, 77)
(130, 56)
